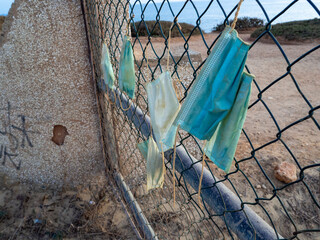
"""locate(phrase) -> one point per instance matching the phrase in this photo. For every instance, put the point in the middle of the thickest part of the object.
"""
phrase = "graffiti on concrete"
(13, 136)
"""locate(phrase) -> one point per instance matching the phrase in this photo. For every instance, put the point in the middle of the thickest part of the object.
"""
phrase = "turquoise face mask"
(213, 93)
(222, 146)
(126, 70)
(163, 107)
(106, 67)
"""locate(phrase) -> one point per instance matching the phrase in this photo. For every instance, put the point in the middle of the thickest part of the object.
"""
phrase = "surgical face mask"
(143, 148)
(163, 107)
(106, 68)
(222, 146)
(155, 164)
(126, 69)
(214, 90)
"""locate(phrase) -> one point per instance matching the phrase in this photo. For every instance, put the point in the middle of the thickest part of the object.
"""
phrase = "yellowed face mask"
(163, 107)
(155, 164)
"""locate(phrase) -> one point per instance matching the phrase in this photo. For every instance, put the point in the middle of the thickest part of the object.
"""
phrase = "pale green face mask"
(106, 67)
(163, 107)
(213, 93)
(143, 148)
(222, 146)
(155, 164)
(126, 70)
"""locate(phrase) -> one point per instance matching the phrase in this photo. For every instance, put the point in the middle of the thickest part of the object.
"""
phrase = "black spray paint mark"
(17, 137)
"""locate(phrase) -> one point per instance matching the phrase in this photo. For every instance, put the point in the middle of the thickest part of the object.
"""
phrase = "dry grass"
(88, 212)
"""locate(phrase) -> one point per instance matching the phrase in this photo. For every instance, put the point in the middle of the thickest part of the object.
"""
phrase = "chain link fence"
(282, 125)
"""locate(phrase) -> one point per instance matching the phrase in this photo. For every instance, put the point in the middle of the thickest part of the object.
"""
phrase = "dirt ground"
(88, 212)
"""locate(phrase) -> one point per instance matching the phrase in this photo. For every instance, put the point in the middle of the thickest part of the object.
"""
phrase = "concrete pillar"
(46, 85)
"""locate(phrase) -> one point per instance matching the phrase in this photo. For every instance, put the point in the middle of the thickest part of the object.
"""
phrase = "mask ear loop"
(121, 106)
(147, 62)
(146, 54)
(163, 165)
(201, 177)
(168, 59)
(108, 98)
(233, 25)
(178, 93)
(174, 167)
(175, 21)
(128, 25)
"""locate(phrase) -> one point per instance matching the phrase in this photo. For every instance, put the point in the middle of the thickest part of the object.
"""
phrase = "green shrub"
(154, 29)
(243, 23)
(297, 30)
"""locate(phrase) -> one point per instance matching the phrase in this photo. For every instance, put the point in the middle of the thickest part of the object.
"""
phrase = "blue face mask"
(106, 68)
(213, 93)
(222, 146)
(126, 70)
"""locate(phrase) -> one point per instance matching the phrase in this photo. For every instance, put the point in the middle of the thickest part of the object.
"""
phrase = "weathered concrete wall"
(45, 80)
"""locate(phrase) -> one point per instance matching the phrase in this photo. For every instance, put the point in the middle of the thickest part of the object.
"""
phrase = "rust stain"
(59, 134)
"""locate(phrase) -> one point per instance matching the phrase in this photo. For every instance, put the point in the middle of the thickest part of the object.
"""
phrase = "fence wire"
(282, 122)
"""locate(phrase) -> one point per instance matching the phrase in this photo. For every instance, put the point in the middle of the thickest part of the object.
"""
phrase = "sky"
(5, 6)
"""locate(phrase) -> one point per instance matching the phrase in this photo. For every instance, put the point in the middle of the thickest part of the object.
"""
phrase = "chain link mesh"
(279, 127)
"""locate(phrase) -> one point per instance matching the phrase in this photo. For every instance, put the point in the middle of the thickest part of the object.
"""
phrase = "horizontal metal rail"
(242, 220)
(143, 224)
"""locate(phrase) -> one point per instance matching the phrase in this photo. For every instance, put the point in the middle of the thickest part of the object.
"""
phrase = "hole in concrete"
(59, 134)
